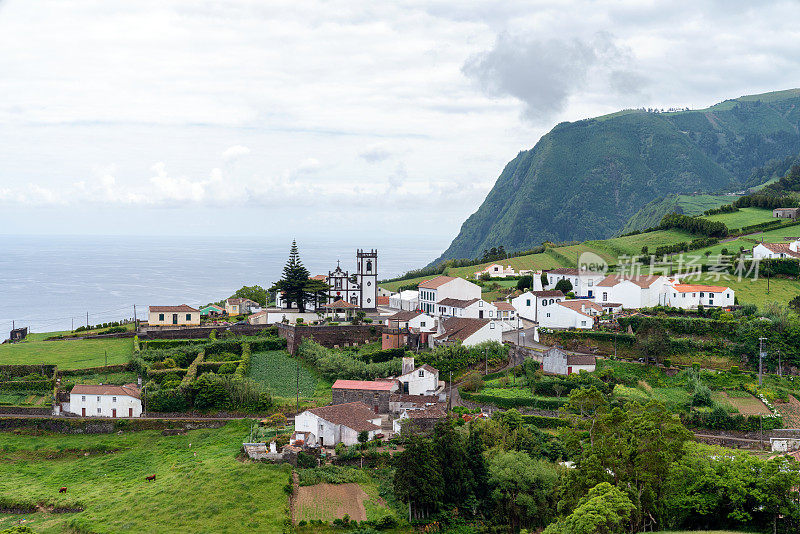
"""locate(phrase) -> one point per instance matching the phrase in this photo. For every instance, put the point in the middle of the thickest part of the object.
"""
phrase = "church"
(359, 288)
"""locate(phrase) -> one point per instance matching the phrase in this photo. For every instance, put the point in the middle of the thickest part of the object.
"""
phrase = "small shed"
(558, 362)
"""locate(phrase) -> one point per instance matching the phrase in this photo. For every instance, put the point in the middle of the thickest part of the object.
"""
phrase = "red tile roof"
(368, 385)
(130, 390)
(505, 306)
(576, 305)
(181, 308)
(403, 316)
(456, 303)
(339, 305)
(383, 301)
(781, 248)
(689, 288)
(355, 415)
(461, 327)
(435, 282)
(564, 270)
(548, 293)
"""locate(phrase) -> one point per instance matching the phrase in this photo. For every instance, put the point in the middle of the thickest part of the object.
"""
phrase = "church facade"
(359, 288)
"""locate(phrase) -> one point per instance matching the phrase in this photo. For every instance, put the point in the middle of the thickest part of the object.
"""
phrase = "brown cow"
(151, 477)
(63, 489)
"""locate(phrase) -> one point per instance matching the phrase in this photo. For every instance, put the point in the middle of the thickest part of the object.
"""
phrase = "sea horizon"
(50, 282)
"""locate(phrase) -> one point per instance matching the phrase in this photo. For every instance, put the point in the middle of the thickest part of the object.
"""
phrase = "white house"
(642, 291)
(441, 287)
(416, 320)
(777, 250)
(496, 270)
(182, 315)
(276, 315)
(472, 308)
(422, 380)
(689, 296)
(407, 300)
(583, 282)
(105, 401)
(505, 311)
(467, 331)
(531, 303)
(339, 423)
(558, 362)
(576, 313)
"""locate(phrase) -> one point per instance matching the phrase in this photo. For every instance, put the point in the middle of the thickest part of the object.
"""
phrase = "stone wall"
(370, 398)
(199, 332)
(329, 336)
(94, 425)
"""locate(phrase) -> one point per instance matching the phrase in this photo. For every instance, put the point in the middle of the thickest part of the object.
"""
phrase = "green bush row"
(333, 364)
(191, 373)
(503, 402)
(719, 419)
(27, 385)
(541, 421)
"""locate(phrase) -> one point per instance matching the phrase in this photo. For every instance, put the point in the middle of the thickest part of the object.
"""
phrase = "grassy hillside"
(743, 217)
(652, 213)
(200, 486)
(68, 354)
(585, 180)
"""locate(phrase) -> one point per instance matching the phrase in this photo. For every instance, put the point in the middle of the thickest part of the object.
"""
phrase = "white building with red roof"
(633, 292)
(423, 380)
(182, 315)
(576, 313)
(327, 426)
(90, 400)
(373, 393)
(496, 270)
(777, 250)
(690, 296)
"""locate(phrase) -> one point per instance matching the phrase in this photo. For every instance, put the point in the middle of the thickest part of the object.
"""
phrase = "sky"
(331, 118)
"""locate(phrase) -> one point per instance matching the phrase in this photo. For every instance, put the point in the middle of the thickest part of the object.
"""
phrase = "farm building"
(104, 401)
(633, 292)
(531, 303)
(239, 306)
(407, 328)
(182, 315)
(785, 213)
(418, 381)
(339, 423)
(777, 250)
(693, 295)
(407, 300)
(558, 362)
(372, 393)
(419, 420)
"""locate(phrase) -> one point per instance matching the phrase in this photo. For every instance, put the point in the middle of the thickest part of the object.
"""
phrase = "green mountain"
(586, 179)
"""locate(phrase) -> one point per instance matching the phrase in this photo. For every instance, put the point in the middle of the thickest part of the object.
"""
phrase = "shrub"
(305, 461)
(227, 368)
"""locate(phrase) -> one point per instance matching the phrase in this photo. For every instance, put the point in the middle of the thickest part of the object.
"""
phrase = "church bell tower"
(367, 271)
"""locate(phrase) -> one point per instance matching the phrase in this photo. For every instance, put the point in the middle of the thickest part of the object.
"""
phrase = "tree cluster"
(694, 225)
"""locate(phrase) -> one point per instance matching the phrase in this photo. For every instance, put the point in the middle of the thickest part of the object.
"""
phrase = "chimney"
(139, 382)
(408, 365)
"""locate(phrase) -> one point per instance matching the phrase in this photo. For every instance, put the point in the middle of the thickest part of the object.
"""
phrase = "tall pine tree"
(295, 280)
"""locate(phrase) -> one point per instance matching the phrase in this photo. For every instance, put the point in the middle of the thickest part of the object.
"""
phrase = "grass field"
(698, 204)
(743, 217)
(277, 370)
(202, 488)
(68, 354)
(745, 404)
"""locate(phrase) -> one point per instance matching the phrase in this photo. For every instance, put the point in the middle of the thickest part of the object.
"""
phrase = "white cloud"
(331, 104)
(235, 152)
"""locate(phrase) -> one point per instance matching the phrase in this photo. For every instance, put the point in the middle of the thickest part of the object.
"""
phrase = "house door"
(480, 314)
(113, 412)
(569, 370)
(130, 412)
(405, 387)
(376, 408)
(174, 318)
(83, 412)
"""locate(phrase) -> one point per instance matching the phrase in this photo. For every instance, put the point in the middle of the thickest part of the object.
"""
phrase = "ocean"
(50, 283)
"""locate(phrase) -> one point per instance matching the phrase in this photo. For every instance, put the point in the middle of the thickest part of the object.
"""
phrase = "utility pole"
(73, 324)
(87, 320)
(135, 320)
(486, 361)
(298, 386)
(779, 363)
(761, 355)
(106, 357)
(450, 396)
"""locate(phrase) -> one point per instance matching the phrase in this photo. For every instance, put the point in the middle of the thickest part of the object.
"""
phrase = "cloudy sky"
(246, 116)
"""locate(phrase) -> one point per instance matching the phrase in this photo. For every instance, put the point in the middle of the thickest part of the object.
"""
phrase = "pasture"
(741, 218)
(200, 484)
(68, 354)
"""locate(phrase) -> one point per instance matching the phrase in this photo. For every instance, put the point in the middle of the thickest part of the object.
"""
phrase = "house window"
(188, 316)
(83, 398)
(160, 316)
(548, 314)
(605, 296)
(591, 282)
(480, 304)
(422, 323)
(113, 399)
(701, 295)
(98, 410)
(491, 313)
(583, 323)
(98, 398)
(421, 372)
(527, 302)
(491, 325)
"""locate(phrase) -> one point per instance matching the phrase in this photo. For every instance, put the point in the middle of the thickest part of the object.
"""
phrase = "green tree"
(210, 392)
(254, 293)
(451, 452)
(525, 282)
(652, 339)
(604, 510)
(564, 285)
(417, 477)
(296, 284)
(523, 490)
(478, 490)
(544, 279)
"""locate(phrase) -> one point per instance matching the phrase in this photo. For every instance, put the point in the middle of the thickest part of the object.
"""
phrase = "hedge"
(11, 371)
(244, 365)
(541, 421)
(683, 325)
(503, 402)
(165, 343)
(156, 374)
(213, 367)
(719, 419)
(269, 343)
(622, 339)
(191, 373)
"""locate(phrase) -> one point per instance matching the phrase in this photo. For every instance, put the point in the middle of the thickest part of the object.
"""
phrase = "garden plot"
(279, 373)
(330, 501)
(746, 403)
